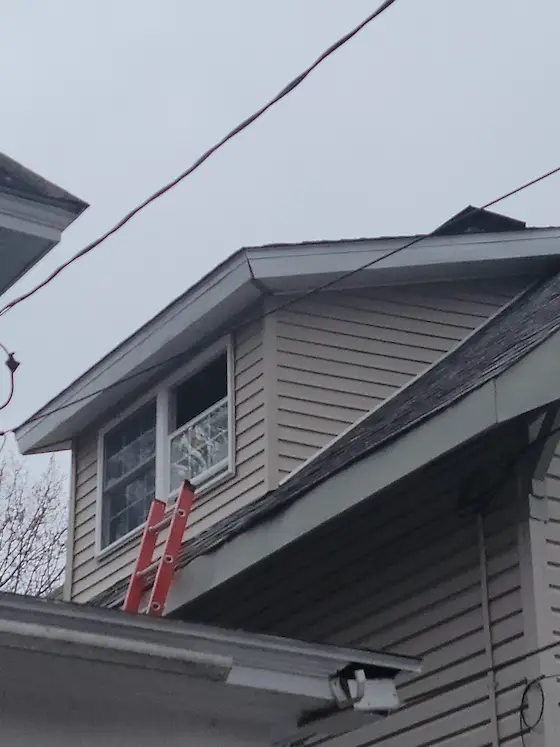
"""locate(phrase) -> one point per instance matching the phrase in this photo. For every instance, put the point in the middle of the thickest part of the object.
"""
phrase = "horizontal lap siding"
(403, 576)
(91, 575)
(341, 354)
(552, 534)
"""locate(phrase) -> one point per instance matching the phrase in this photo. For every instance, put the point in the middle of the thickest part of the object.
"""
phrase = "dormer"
(257, 367)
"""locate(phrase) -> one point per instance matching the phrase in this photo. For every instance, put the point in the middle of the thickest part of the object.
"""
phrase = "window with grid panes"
(129, 473)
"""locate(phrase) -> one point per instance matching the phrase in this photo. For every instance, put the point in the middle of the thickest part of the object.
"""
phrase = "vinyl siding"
(340, 354)
(403, 575)
(551, 531)
(302, 376)
(90, 575)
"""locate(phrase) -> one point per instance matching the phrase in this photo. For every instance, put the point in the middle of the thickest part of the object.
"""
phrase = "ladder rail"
(164, 567)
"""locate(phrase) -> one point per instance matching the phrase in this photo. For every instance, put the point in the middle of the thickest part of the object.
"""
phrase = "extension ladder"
(164, 567)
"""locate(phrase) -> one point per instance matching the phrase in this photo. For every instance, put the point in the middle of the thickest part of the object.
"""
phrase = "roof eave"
(247, 275)
(30, 229)
(291, 678)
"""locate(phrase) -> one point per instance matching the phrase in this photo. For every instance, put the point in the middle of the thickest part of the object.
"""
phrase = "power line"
(417, 240)
(295, 299)
(297, 81)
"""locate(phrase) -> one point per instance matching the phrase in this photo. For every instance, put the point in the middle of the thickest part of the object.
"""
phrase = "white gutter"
(330, 689)
(101, 646)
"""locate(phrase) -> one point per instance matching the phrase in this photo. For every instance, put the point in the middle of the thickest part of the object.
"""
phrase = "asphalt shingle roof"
(494, 348)
(18, 180)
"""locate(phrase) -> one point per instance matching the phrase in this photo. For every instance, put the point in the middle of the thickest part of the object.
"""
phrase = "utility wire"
(293, 300)
(417, 240)
(297, 81)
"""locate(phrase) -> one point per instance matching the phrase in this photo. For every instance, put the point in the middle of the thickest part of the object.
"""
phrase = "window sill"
(127, 540)
(201, 491)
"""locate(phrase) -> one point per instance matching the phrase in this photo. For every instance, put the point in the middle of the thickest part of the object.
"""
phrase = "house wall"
(302, 376)
(544, 536)
(90, 574)
(340, 354)
(405, 575)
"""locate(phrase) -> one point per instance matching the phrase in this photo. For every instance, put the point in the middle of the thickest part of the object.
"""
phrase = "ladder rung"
(148, 569)
(165, 522)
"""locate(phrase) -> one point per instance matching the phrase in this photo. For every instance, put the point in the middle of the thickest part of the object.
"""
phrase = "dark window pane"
(201, 391)
(130, 445)
(129, 473)
(127, 505)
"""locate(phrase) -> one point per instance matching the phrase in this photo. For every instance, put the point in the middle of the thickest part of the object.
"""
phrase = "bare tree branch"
(32, 529)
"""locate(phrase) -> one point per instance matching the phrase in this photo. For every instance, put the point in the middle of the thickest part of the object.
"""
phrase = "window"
(199, 425)
(184, 432)
(129, 473)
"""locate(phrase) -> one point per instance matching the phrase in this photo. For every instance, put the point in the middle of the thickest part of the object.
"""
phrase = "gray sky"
(435, 105)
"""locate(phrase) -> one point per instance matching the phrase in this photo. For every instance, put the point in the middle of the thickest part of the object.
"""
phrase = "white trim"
(70, 532)
(248, 649)
(230, 352)
(162, 441)
(33, 218)
(160, 394)
(236, 689)
(220, 467)
(198, 418)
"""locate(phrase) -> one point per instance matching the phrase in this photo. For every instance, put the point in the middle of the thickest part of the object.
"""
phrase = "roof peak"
(18, 180)
(478, 220)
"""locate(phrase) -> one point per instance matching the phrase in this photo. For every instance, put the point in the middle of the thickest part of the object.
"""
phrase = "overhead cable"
(294, 299)
(297, 81)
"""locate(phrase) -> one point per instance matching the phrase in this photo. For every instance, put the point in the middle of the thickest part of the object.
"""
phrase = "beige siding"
(552, 565)
(90, 575)
(341, 354)
(329, 360)
(404, 576)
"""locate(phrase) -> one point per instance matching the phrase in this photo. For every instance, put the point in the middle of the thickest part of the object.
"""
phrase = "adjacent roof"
(60, 655)
(210, 307)
(33, 215)
(493, 349)
(19, 181)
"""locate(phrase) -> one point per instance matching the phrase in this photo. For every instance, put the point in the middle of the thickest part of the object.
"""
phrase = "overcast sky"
(437, 104)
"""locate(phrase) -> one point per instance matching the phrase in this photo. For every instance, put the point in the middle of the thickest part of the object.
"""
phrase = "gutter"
(333, 689)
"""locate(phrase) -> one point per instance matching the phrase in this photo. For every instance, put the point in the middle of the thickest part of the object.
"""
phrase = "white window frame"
(161, 393)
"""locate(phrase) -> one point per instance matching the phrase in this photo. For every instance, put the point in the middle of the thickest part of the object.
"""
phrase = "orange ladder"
(165, 566)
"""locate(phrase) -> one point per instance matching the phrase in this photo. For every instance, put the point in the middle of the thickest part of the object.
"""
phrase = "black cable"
(417, 240)
(298, 80)
(509, 470)
(295, 299)
(524, 725)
